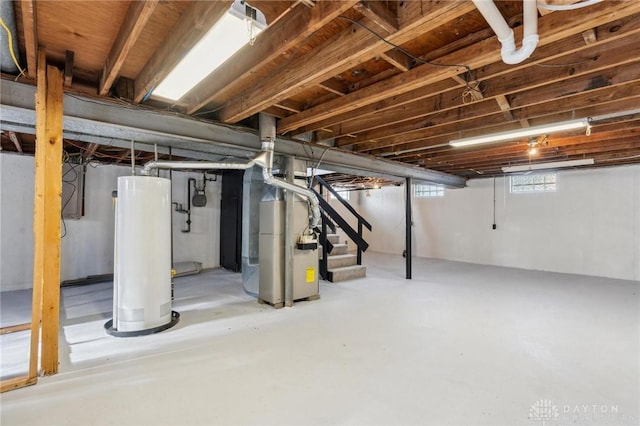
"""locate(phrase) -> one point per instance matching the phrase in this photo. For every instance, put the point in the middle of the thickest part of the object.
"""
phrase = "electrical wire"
(417, 58)
(11, 52)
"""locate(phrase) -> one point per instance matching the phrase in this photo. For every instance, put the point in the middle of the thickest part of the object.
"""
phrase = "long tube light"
(550, 165)
(523, 133)
(235, 29)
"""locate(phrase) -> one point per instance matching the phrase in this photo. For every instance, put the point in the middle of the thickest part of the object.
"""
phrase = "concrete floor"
(458, 344)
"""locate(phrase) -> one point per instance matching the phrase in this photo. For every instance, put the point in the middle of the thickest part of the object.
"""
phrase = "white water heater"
(142, 257)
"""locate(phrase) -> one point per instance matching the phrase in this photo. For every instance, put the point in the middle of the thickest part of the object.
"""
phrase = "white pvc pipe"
(511, 55)
(565, 7)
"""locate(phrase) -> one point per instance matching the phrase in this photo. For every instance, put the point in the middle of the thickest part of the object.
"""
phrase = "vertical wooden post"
(47, 209)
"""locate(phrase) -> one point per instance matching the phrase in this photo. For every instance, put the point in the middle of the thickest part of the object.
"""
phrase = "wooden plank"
(286, 33)
(38, 215)
(15, 328)
(194, 23)
(333, 87)
(563, 109)
(504, 105)
(607, 57)
(137, 16)
(552, 28)
(397, 59)
(90, 150)
(47, 214)
(16, 141)
(68, 68)
(336, 55)
(379, 14)
(16, 383)
(29, 29)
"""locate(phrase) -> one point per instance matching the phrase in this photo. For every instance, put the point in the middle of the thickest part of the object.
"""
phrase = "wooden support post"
(46, 268)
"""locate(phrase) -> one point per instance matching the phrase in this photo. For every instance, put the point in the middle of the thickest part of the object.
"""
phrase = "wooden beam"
(47, 210)
(16, 140)
(16, 383)
(68, 68)
(333, 86)
(194, 23)
(137, 17)
(434, 99)
(285, 34)
(15, 328)
(379, 14)
(334, 56)
(553, 28)
(561, 110)
(397, 59)
(29, 28)
(90, 150)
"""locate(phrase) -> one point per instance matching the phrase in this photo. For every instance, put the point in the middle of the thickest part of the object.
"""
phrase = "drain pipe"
(9, 19)
(505, 35)
(268, 136)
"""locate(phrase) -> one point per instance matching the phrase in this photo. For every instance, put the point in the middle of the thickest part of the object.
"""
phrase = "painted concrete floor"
(458, 344)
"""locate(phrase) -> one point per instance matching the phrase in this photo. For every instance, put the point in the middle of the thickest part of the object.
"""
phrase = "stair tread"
(340, 256)
(348, 268)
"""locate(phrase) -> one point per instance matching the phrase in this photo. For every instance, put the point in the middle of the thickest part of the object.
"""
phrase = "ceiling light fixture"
(524, 133)
(551, 165)
(239, 26)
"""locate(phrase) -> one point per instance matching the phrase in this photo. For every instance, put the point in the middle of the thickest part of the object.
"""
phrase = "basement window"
(343, 194)
(428, 191)
(541, 182)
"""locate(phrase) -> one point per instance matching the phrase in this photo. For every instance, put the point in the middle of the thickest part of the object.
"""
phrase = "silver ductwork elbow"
(201, 165)
(267, 134)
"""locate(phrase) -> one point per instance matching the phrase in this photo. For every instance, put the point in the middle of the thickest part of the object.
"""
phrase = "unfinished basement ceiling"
(329, 72)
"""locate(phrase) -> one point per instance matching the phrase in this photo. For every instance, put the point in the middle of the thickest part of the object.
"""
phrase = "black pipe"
(189, 204)
(409, 223)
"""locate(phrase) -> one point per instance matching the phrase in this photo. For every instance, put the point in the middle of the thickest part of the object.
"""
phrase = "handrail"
(335, 216)
(343, 201)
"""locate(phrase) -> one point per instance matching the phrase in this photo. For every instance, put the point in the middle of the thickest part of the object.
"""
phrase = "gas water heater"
(142, 258)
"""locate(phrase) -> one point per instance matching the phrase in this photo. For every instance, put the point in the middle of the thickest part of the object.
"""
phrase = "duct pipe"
(269, 179)
(268, 137)
(9, 19)
(202, 165)
(505, 35)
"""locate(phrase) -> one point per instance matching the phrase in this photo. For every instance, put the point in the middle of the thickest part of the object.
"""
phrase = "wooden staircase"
(341, 265)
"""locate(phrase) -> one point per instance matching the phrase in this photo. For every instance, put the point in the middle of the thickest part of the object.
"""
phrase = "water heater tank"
(142, 257)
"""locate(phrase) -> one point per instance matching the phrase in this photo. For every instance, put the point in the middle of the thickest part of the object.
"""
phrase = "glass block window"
(428, 191)
(542, 182)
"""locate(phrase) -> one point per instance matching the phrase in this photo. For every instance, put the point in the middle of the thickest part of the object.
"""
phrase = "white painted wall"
(202, 244)
(87, 248)
(16, 221)
(590, 226)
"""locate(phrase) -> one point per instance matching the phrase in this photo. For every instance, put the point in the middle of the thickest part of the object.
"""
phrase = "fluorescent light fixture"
(523, 133)
(226, 37)
(551, 165)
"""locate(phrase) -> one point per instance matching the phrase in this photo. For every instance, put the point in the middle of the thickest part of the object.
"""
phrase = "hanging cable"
(417, 58)
(11, 52)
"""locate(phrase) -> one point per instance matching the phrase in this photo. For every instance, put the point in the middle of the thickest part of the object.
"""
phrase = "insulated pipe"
(8, 17)
(505, 35)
